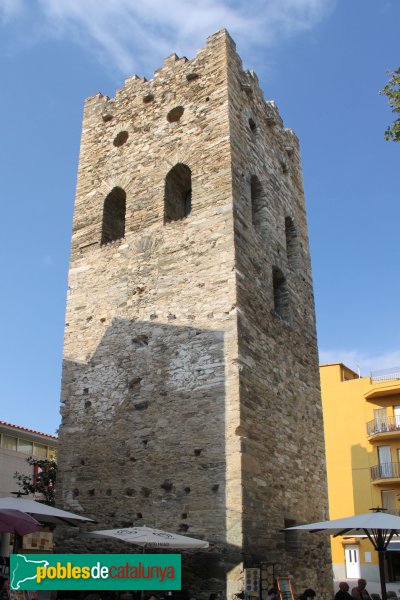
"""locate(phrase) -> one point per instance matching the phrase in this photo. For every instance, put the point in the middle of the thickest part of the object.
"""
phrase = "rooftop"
(18, 428)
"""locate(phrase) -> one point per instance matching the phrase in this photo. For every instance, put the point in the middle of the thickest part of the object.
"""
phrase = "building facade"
(190, 375)
(17, 444)
(362, 435)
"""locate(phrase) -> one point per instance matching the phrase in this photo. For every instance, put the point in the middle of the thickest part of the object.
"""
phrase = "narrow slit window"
(281, 296)
(292, 249)
(252, 125)
(256, 203)
(113, 227)
(178, 193)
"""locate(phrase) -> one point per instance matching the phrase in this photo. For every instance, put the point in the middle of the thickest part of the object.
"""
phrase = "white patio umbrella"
(378, 526)
(42, 512)
(147, 537)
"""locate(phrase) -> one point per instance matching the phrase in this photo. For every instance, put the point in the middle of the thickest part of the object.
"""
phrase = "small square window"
(9, 442)
(24, 446)
(40, 450)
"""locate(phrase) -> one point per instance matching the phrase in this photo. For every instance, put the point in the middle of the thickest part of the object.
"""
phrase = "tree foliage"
(43, 481)
(392, 92)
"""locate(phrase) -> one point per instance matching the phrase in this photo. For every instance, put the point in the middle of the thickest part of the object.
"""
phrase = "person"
(308, 594)
(360, 592)
(343, 593)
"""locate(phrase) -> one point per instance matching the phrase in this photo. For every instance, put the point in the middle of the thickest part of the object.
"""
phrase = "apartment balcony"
(385, 427)
(384, 471)
(385, 374)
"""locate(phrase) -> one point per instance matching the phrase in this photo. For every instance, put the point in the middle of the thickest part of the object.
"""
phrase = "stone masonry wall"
(150, 399)
(281, 429)
(186, 403)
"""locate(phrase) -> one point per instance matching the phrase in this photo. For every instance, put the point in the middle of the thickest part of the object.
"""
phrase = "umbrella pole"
(381, 556)
(17, 546)
(380, 546)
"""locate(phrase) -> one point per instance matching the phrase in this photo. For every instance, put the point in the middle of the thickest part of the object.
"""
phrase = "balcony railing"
(385, 471)
(383, 425)
(385, 374)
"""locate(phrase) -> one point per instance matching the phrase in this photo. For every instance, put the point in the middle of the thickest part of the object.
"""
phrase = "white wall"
(10, 462)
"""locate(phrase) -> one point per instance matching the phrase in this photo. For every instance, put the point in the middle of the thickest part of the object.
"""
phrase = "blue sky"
(322, 61)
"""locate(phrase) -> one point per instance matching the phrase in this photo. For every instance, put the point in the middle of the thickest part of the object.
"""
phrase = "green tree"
(43, 481)
(392, 92)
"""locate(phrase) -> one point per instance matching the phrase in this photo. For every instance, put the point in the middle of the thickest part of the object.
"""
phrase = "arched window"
(178, 193)
(256, 203)
(281, 296)
(113, 227)
(292, 247)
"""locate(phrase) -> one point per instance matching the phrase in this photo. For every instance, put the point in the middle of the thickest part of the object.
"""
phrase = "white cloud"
(131, 34)
(359, 361)
(10, 9)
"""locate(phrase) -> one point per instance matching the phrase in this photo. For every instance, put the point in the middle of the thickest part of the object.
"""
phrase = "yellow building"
(362, 437)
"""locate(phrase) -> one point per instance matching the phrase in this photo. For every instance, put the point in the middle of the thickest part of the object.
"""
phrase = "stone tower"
(190, 393)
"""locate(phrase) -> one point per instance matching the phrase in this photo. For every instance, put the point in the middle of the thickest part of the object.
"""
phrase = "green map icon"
(24, 569)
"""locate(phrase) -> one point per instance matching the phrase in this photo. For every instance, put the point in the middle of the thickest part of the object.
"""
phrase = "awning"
(393, 547)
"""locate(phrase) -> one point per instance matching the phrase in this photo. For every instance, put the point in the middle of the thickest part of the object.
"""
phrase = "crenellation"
(291, 137)
(273, 112)
(132, 79)
(253, 75)
(170, 60)
(94, 105)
